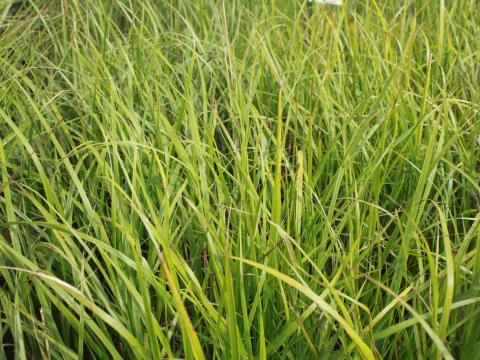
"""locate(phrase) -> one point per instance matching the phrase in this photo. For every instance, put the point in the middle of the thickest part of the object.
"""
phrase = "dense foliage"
(239, 179)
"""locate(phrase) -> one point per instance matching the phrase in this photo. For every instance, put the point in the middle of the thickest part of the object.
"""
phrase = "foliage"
(239, 179)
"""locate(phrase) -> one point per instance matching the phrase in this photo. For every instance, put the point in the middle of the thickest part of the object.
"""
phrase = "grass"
(239, 179)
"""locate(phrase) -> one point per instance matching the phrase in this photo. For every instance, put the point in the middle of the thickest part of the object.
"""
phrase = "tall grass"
(239, 179)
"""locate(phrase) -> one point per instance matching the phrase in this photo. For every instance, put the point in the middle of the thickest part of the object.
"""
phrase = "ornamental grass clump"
(242, 179)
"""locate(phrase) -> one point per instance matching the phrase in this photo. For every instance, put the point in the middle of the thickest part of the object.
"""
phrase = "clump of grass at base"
(239, 179)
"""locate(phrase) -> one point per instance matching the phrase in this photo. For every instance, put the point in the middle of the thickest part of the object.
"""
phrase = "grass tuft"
(239, 179)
